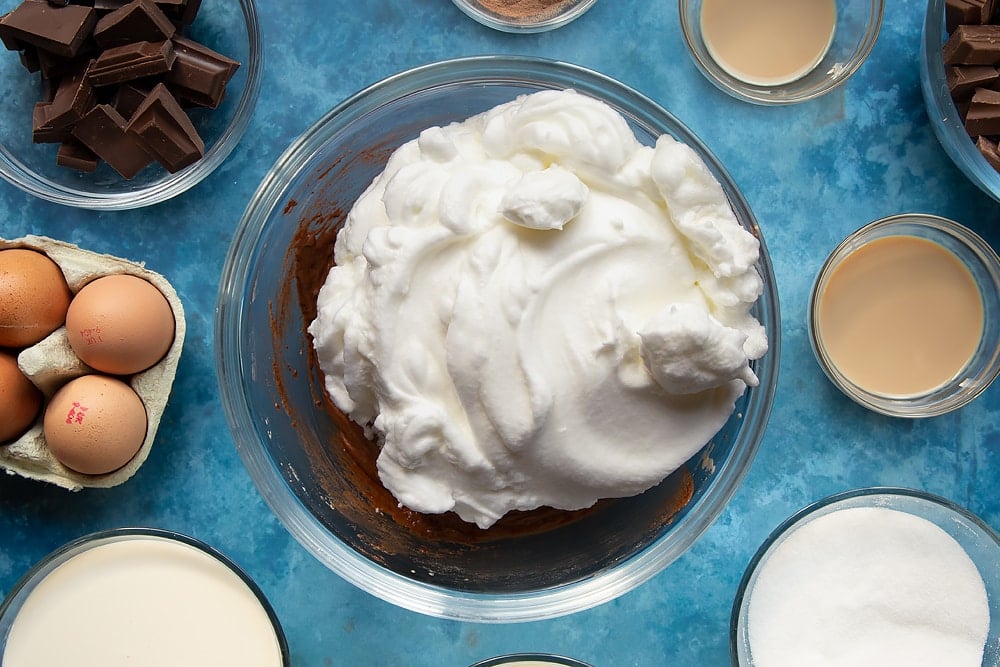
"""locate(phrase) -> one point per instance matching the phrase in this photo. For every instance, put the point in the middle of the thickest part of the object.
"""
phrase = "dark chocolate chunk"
(55, 67)
(138, 21)
(47, 90)
(104, 6)
(102, 130)
(8, 40)
(988, 148)
(41, 131)
(961, 12)
(131, 61)
(60, 30)
(165, 130)
(75, 155)
(127, 99)
(29, 59)
(182, 11)
(973, 45)
(988, 11)
(983, 117)
(199, 74)
(964, 79)
(73, 99)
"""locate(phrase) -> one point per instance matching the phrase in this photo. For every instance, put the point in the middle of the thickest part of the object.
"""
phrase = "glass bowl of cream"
(776, 52)
(524, 16)
(142, 596)
(459, 536)
(905, 315)
(878, 574)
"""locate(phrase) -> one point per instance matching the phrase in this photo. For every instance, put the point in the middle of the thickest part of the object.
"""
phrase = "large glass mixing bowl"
(294, 444)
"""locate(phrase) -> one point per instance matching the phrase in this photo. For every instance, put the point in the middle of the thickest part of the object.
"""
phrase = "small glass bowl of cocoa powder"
(524, 15)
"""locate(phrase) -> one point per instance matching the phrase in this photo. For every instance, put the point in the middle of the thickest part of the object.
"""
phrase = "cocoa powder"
(526, 10)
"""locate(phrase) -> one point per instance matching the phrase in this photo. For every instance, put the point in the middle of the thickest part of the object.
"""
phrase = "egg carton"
(51, 363)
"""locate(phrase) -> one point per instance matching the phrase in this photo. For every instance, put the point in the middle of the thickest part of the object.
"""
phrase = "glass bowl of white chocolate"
(556, 348)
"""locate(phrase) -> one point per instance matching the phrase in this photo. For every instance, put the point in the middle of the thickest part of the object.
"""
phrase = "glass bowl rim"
(66, 552)
(174, 184)
(801, 515)
(508, 658)
(941, 109)
(572, 12)
(767, 95)
(904, 407)
(341, 558)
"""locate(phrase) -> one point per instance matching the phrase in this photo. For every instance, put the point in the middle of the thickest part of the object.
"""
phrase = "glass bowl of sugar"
(905, 316)
(779, 51)
(872, 576)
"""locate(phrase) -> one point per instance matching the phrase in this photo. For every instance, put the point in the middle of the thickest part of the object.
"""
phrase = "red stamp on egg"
(76, 413)
(92, 336)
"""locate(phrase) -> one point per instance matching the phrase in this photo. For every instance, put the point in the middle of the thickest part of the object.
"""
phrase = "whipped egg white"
(530, 308)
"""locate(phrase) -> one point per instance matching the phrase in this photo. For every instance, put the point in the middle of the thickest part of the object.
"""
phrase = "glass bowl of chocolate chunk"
(119, 104)
(960, 81)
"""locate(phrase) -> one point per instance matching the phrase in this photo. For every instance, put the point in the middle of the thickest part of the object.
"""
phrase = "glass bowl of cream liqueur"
(905, 316)
(776, 52)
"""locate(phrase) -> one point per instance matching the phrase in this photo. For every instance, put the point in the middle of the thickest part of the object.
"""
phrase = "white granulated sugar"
(868, 586)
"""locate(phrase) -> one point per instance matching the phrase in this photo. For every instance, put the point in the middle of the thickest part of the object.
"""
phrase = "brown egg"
(34, 297)
(20, 399)
(95, 424)
(120, 324)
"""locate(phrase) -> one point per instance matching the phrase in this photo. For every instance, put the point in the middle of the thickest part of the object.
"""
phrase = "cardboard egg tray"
(51, 363)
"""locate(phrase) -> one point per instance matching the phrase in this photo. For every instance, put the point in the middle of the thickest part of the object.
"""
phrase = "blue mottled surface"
(812, 173)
